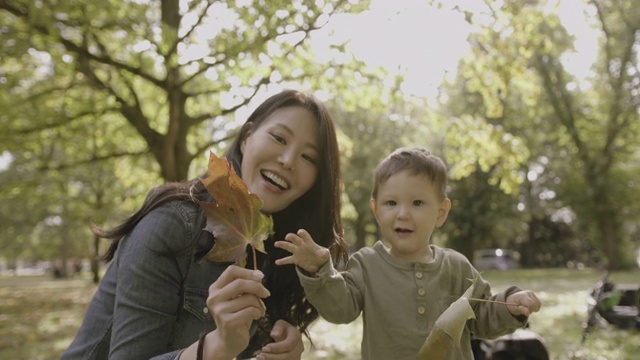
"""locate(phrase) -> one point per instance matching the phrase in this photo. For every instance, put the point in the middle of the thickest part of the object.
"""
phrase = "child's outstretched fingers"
(305, 253)
(523, 303)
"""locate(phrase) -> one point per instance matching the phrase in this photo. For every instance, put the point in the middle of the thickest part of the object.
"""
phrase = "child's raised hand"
(525, 303)
(305, 253)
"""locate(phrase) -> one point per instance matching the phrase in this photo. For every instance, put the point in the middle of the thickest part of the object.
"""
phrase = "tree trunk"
(608, 232)
(361, 234)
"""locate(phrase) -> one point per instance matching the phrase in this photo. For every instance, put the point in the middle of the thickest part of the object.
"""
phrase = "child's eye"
(391, 202)
(418, 202)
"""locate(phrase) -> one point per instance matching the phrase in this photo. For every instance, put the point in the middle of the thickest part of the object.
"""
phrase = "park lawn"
(39, 317)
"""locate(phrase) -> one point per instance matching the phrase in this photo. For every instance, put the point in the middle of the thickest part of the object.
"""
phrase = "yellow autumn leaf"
(448, 328)
(234, 218)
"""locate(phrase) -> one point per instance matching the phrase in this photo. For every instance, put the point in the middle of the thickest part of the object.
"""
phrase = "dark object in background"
(616, 304)
(523, 344)
(496, 259)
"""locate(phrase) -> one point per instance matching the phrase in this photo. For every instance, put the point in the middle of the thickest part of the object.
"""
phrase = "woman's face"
(280, 157)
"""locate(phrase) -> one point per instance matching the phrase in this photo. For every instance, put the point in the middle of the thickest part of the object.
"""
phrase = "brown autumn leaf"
(448, 329)
(234, 218)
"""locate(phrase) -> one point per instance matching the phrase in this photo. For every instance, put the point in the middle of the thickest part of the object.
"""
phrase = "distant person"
(161, 299)
(402, 287)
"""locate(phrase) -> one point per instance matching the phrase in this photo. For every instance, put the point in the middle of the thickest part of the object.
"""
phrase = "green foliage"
(100, 101)
(372, 122)
(161, 69)
(565, 141)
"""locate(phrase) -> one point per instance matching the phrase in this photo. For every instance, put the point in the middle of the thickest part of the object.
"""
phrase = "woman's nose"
(287, 159)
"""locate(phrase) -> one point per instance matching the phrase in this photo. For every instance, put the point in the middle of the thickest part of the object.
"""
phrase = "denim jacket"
(151, 303)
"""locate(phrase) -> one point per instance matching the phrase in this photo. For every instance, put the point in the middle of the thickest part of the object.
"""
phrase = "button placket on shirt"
(420, 292)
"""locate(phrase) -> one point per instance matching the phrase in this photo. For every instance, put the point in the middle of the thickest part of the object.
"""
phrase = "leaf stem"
(492, 301)
(255, 261)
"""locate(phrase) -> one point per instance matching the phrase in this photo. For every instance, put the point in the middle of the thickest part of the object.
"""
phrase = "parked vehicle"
(615, 304)
(496, 259)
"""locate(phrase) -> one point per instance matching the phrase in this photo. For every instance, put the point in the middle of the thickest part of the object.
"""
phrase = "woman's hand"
(235, 301)
(525, 303)
(305, 253)
(288, 343)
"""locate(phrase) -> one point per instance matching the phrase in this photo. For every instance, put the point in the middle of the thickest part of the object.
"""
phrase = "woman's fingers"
(239, 312)
(234, 272)
(237, 295)
(288, 343)
(235, 281)
(235, 302)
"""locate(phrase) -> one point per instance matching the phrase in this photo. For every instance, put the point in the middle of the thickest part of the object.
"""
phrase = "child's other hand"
(305, 253)
(525, 303)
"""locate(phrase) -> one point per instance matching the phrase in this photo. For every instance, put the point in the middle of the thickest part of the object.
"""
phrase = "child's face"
(407, 210)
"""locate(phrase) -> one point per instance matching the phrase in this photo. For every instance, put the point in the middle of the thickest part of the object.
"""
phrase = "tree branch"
(93, 159)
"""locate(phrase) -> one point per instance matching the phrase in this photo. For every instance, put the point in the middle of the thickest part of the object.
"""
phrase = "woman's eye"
(278, 138)
(309, 158)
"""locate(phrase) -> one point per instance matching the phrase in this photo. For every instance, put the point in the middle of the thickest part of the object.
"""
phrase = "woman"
(159, 296)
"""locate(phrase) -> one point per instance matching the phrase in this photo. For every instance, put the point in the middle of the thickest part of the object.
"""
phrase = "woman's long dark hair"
(317, 211)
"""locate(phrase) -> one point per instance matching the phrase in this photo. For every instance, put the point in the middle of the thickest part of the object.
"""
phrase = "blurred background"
(533, 105)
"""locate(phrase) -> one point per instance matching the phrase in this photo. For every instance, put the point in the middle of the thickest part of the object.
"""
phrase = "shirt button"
(421, 310)
(421, 292)
(419, 275)
(205, 310)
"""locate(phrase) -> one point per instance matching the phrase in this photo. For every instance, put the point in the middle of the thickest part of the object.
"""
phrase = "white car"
(496, 259)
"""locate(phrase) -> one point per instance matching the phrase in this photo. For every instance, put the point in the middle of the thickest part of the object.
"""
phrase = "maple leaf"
(234, 218)
(448, 328)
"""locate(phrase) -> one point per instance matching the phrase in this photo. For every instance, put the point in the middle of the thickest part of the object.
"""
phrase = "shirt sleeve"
(493, 320)
(336, 295)
(149, 281)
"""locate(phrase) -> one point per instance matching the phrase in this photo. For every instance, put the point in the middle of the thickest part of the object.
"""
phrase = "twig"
(492, 301)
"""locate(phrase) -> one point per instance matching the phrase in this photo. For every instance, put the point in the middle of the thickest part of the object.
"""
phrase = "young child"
(404, 286)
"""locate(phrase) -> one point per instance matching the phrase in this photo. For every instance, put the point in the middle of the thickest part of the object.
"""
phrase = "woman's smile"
(278, 162)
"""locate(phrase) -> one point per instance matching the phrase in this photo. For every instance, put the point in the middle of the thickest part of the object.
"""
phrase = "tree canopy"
(99, 102)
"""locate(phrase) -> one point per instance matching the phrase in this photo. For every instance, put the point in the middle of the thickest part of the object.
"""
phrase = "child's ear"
(443, 212)
(372, 205)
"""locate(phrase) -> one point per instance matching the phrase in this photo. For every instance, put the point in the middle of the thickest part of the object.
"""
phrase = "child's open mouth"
(403, 230)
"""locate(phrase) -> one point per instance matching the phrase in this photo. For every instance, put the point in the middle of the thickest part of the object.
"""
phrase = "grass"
(39, 316)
